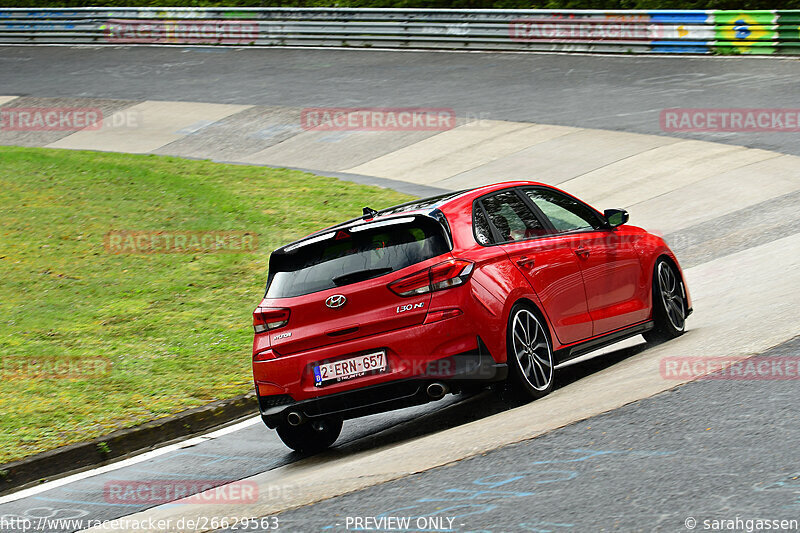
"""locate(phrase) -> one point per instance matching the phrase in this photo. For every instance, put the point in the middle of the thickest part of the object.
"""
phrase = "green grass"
(175, 328)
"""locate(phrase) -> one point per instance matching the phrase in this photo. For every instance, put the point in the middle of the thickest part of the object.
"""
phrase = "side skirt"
(576, 350)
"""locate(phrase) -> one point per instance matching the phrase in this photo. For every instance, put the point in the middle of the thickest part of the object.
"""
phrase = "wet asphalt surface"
(711, 450)
(624, 93)
(257, 449)
(707, 450)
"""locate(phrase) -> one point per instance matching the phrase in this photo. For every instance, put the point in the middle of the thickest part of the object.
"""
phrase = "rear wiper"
(359, 276)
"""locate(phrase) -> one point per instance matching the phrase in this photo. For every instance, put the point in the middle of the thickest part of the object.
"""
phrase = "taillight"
(267, 318)
(416, 283)
(438, 277)
(450, 274)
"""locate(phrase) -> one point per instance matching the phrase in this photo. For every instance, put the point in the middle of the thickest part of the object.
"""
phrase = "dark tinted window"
(565, 213)
(344, 257)
(512, 219)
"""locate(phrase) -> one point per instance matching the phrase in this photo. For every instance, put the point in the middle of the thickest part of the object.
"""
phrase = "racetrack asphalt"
(715, 449)
(624, 93)
(650, 464)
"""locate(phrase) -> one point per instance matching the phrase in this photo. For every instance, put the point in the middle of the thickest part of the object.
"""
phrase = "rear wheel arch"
(522, 381)
(536, 307)
(540, 314)
(528, 302)
(529, 297)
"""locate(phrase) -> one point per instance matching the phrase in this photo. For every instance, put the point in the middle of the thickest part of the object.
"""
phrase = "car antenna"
(368, 213)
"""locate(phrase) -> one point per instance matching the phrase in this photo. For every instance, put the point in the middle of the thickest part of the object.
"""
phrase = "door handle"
(582, 252)
(525, 262)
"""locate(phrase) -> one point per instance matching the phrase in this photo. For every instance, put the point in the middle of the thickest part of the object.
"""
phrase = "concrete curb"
(103, 450)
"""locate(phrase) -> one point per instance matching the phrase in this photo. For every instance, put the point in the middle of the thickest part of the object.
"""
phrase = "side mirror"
(616, 217)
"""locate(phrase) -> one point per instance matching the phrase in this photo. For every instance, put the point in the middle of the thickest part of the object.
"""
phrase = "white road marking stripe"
(38, 489)
(717, 327)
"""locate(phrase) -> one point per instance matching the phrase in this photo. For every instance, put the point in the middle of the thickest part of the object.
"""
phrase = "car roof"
(475, 192)
(429, 204)
(423, 206)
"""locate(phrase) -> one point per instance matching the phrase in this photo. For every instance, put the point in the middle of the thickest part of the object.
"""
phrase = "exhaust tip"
(436, 390)
(294, 418)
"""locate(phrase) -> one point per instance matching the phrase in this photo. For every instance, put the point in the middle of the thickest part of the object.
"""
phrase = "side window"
(565, 213)
(482, 232)
(513, 219)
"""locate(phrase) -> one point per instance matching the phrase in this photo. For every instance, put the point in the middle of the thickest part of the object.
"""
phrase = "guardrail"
(616, 31)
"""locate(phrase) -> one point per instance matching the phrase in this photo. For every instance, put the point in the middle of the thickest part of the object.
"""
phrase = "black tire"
(530, 355)
(311, 437)
(669, 303)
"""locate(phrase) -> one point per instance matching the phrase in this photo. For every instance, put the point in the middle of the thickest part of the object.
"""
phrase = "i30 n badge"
(452, 293)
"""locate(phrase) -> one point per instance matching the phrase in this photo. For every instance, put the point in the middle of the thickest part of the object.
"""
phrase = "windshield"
(348, 256)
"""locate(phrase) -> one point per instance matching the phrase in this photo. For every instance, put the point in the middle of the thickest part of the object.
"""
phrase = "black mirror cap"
(616, 217)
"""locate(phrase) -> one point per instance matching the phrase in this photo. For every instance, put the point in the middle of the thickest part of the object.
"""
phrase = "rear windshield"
(345, 257)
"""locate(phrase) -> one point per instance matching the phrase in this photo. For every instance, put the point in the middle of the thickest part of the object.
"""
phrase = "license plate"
(372, 363)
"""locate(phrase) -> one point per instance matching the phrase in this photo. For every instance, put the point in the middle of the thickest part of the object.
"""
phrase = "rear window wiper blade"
(359, 275)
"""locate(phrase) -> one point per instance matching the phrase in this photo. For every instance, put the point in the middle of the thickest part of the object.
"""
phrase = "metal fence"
(617, 31)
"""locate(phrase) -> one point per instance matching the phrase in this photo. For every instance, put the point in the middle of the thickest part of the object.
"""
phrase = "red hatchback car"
(404, 305)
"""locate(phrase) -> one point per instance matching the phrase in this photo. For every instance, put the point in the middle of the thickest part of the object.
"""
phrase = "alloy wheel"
(532, 350)
(671, 295)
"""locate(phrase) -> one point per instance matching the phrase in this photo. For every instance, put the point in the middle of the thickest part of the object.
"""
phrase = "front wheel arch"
(671, 260)
(664, 327)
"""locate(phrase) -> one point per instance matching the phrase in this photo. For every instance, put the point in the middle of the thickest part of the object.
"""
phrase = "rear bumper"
(455, 371)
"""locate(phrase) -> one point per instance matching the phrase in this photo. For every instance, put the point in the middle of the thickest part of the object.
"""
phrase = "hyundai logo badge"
(336, 301)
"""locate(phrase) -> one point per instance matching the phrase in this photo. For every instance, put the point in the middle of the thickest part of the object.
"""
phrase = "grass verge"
(92, 341)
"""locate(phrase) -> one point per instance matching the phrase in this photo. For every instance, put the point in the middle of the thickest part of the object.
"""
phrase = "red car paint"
(587, 284)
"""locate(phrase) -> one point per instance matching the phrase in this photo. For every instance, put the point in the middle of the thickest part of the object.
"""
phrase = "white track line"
(717, 327)
(38, 489)
(186, 47)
